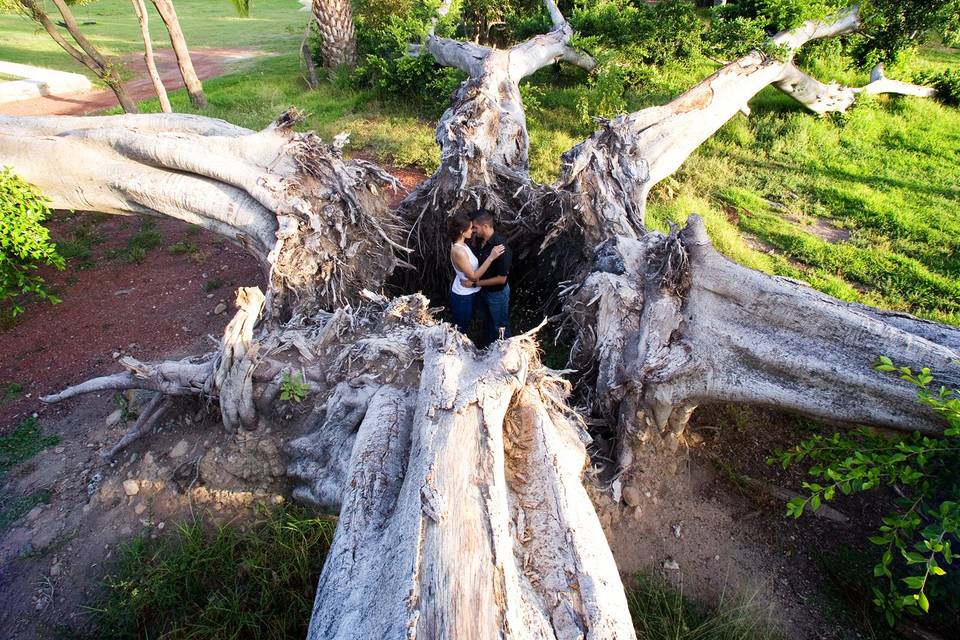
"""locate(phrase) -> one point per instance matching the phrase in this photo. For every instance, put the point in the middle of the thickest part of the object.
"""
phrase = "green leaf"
(923, 602)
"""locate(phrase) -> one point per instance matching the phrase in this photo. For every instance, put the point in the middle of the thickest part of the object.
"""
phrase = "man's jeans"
(495, 307)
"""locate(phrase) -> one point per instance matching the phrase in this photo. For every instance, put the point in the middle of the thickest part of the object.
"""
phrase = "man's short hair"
(482, 216)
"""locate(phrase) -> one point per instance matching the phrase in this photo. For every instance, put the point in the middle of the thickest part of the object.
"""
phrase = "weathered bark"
(458, 474)
(824, 98)
(141, 10)
(87, 54)
(483, 139)
(338, 44)
(666, 324)
(318, 224)
(168, 14)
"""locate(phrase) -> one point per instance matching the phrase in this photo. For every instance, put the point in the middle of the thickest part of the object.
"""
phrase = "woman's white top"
(458, 288)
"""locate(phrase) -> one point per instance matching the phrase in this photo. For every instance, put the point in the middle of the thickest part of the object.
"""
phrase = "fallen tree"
(458, 474)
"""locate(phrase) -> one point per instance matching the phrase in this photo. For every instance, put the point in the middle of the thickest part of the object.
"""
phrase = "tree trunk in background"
(140, 8)
(87, 55)
(169, 16)
(335, 23)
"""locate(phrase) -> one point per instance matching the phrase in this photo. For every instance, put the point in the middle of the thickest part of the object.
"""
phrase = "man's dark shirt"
(500, 266)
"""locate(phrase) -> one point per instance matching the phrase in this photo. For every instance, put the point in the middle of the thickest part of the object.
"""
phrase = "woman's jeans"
(462, 308)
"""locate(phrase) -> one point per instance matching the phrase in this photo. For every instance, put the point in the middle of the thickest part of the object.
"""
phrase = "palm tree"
(335, 23)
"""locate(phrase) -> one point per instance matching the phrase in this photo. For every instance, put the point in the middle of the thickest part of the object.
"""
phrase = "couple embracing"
(480, 279)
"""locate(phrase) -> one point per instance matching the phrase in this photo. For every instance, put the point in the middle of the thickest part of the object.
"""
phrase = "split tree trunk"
(87, 54)
(141, 10)
(168, 14)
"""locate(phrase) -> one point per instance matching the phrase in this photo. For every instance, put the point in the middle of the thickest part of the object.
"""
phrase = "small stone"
(116, 355)
(180, 449)
(209, 296)
(717, 557)
(59, 450)
(631, 496)
(34, 513)
(220, 308)
(671, 565)
(140, 508)
(131, 487)
(148, 458)
(676, 530)
(161, 525)
(114, 418)
(55, 570)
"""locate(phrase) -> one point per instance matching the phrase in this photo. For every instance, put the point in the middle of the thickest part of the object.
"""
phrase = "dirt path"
(208, 63)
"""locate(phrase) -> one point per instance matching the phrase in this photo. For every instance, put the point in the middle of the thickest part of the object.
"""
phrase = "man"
(494, 288)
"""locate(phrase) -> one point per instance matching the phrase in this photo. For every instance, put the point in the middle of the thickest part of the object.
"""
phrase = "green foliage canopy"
(24, 243)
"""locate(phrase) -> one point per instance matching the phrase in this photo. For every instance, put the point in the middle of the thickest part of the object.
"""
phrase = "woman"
(467, 268)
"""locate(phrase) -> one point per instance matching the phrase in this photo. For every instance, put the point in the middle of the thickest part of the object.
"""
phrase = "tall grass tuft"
(660, 612)
(217, 583)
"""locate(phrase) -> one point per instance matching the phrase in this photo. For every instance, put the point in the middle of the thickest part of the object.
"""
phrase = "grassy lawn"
(273, 26)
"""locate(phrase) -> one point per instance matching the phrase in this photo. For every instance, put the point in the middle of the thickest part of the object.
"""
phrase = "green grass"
(660, 612)
(198, 582)
(144, 240)
(274, 26)
(14, 507)
(220, 583)
(21, 444)
(10, 391)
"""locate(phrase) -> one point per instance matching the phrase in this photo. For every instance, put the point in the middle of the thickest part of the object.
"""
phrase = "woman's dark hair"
(456, 225)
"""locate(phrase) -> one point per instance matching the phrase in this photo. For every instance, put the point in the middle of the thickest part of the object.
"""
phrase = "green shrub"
(221, 583)
(918, 560)
(384, 35)
(24, 244)
(946, 82)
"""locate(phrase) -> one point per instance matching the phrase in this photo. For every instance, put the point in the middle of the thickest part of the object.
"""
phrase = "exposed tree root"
(667, 323)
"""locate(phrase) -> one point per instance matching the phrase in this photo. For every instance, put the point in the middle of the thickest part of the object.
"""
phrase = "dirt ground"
(693, 525)
(208, 63)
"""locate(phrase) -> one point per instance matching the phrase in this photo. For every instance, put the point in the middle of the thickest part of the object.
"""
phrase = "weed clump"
(217, 583)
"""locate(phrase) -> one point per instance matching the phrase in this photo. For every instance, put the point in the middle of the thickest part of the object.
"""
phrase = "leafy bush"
(947, 84)
(224, 583)
(917, 540)
(629, 40)
(383, 39)
(24, 244)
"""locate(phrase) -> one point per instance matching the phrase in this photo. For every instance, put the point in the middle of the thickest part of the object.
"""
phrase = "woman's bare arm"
(462, 262)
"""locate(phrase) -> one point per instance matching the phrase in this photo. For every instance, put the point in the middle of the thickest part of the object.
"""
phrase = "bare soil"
(208, 63)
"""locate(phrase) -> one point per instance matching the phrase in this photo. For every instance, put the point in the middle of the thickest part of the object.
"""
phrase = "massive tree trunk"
(168, 14)
(87, 54)
(338, 44)
(318, 224)
(141, 10)
(459, 474)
